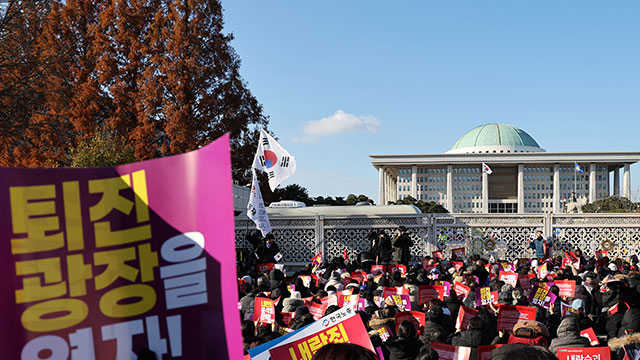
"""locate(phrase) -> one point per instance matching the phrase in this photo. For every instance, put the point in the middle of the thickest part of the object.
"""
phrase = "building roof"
(489, 137)
(343, 210)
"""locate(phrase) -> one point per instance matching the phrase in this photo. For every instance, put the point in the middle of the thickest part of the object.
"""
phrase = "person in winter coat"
(629, 340)
(402, 244)
(267, 250)
(472, 337)
(540, 244)
(406, 345)
(383, 248)
(568, 335)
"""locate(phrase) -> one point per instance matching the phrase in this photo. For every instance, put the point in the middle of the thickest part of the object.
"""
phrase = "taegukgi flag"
(274, 160)
(486, 169)
(255, 207)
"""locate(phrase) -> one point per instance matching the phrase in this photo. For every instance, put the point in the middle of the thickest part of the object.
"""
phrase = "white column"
(556, 188)
(616, 182)
(592, 183)
(521, 188)
(626, 182)
(414, 182)
(450, 188)
(397, 186)
(381, 185)
(387, 185)
(485, 193)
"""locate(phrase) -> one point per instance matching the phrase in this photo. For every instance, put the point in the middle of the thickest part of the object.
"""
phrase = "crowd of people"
(606, 299)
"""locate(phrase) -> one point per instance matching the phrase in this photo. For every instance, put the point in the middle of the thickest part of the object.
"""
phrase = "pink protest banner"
(483, 296)
(317, 310)
(541, 297)
(437, 255)
(509, 277)
(378, 269)
(446, 286)
(350, 330)
(402, 301)
(484, 351)
(464, 315)
(164, 224)
(594, 353)
(567, 287)
(417, 318)
(459, 252)
(451, 352)
(263, 268)
(317, 260)
(428, 292)
(591, 335)
(509, 315)
(264, 310)
(388, 291)
(505, 266)
(457, 265)
(461, 289)
(398, 267)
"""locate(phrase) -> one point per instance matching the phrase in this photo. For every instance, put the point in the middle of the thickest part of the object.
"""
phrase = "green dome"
(500, 136)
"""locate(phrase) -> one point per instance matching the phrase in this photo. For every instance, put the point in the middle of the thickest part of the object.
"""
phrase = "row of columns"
(388, 186)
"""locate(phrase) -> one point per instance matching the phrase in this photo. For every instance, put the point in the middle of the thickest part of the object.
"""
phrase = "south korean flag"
(274, 160)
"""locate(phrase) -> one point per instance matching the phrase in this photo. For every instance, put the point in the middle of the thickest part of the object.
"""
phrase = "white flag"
(255, 207)
(274, 160)
(486, 169)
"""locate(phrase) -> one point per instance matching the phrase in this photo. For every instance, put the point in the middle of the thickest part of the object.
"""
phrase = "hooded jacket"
(568, 335)
(624, 344)
(403, 349)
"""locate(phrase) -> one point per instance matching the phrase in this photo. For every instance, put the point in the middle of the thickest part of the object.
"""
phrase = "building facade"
(525, 178)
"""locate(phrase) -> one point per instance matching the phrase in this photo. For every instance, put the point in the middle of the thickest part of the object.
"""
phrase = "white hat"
(296, 295)
(613, 267)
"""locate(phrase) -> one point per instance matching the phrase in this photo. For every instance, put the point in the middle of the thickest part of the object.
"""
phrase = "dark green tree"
(611, 204)
(425, 207)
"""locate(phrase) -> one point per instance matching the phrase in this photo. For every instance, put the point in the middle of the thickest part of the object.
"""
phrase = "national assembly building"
(524, 177)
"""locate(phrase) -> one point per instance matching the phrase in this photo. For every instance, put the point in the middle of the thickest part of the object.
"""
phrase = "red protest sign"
(348, 300)
(451, 352)
(417, 318)
(286, 317)
(484, 351)
(437, 254)
(378, 268)
(464, 315)
(509, 315)
(525, 281)
(426, 265)
(351, 330)
(601, 253)
(428, 292)
(591, 335)
(543, 271)
(461, 289)
(317, 260)
(397, 267)
(317, 310)
(509, 277)
(459, 252)
(457, 265)
(264, 311)
(567, 287)
(597, 353)
(263, 268)
(388, 291)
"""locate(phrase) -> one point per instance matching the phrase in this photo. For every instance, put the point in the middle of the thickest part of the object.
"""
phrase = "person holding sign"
(267, 250)
(402, 244)
(568, 335)
(541, 245)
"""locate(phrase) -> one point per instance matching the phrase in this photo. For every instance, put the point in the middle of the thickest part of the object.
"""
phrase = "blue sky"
(412, 76)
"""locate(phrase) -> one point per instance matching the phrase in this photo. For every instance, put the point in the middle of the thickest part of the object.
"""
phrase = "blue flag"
(578, 169)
